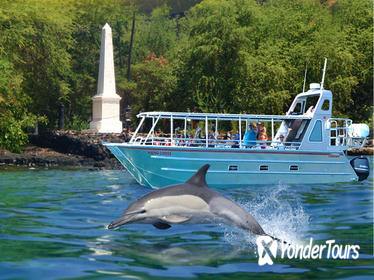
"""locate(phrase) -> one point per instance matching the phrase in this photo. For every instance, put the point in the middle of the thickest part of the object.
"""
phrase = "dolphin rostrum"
(190, 203)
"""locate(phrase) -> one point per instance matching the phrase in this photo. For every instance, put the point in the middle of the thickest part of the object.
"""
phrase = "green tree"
(36, 36)
(248, 56)
(157, 34)
(153, 87)
(14, 116)
(215, 60)
(354, 21)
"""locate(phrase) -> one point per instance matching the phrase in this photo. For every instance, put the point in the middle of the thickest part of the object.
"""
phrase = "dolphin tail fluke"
(198, 179)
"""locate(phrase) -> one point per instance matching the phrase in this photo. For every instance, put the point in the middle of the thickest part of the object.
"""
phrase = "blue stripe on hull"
(162, 166)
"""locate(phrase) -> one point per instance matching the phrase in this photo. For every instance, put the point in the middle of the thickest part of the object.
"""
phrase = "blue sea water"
(53, 226)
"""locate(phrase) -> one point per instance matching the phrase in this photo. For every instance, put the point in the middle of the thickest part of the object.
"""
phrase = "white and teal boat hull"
(161, 166)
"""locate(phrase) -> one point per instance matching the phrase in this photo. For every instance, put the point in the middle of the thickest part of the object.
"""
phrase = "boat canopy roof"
(215, 116)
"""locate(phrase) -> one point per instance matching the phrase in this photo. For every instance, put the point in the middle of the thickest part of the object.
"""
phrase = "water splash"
(279, 212)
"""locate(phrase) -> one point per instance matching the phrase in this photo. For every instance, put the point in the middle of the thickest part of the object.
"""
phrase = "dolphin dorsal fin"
(198, 179)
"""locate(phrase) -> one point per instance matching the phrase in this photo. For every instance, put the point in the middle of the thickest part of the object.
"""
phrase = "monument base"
(107, 126)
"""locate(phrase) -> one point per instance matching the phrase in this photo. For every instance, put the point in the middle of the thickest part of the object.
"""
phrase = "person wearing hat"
(250, 135)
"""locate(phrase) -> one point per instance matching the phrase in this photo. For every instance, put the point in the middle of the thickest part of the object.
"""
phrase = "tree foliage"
(221, 56)
(246, 56)
(14, 119)
(154, 85)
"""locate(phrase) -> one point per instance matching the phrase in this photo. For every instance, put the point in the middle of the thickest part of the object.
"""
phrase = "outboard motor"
(360, 165)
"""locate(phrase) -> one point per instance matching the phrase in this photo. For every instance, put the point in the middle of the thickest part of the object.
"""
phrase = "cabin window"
(294, 168)
(316, 135)
(233, 168)
(298, 109)
(264, 167)
(326, 105)
(311, 101)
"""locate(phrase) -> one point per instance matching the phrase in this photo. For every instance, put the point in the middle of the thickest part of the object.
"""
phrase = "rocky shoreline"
(84, 150)
(66, 149)
(367, 150)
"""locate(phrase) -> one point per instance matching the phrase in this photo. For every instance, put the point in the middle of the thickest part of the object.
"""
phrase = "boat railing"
(340, 134)
(210, 124)
(338, 131)
(213, 143)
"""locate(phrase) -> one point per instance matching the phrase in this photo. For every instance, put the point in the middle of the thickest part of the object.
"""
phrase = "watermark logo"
(268, 248)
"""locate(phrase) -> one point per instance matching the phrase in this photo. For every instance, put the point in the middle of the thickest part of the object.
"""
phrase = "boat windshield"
(304, 104)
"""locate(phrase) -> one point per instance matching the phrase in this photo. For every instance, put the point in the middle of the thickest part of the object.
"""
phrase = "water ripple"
(53, 225)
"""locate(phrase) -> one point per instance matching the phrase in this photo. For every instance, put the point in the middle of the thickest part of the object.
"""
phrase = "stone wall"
(85, 143)
(64, 149)
(367, 150)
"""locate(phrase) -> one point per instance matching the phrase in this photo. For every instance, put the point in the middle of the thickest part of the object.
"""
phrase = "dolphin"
(190, 203)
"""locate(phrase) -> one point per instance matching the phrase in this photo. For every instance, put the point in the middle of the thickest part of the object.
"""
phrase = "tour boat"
(304, 146)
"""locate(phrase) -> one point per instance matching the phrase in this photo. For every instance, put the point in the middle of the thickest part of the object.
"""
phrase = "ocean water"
(53, 226)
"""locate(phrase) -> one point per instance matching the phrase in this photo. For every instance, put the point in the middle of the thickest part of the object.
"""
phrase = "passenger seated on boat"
(250, 136)
(198, 133)
(167, 142)
(280, 145)
(262, 137)
(193, 143)
(237, 136)
(211, 142)
(310, 111)
(212, 134)
(189, 140)
(234, 143)
(180, 141)
(157, 141)
(226, 139)
(261, 128)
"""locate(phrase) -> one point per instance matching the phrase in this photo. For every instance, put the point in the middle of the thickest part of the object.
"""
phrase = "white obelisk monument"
(105, 107)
